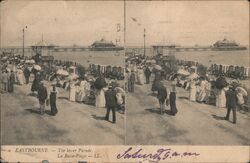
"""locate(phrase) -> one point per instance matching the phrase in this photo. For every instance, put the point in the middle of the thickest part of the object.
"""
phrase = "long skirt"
(10, 87)
(155, 85)
(172, 99)
(140, 79)
(20, 78)
(35, 85)
(53, 103)
(100, 99)
(81, 96)
(192, 94)
(221, 99)
(201, 96)
(72, 94)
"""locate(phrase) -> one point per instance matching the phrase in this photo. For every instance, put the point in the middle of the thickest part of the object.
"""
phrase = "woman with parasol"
(72, 91)
(220, 84)
(240, 94)
(157, 71)
(99, 84)
(52, 97)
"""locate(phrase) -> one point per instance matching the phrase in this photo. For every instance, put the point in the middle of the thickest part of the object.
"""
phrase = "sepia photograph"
(187, 73)
(124, 81)
(62, 73)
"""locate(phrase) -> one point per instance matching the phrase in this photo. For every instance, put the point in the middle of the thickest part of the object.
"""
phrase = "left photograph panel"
(62, 73)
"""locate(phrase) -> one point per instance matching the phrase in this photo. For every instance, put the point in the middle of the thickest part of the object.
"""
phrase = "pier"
(193, 48)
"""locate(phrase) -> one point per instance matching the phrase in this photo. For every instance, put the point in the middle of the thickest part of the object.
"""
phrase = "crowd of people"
(51, 76)
(203, 86)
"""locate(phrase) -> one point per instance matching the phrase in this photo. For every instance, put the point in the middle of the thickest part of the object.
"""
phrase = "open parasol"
(241, 90)
(32, 61)
(157, 67)
(62, 72)
(221, 82)
(183, 72)
(120, 90)
(100, 83)
(151, 61)
(37, 67)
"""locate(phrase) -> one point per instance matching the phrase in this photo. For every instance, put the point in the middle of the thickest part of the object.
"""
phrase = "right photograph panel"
(187, 73)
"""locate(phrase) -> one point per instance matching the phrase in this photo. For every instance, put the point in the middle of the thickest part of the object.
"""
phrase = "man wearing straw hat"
(111, 103)
(231, 101)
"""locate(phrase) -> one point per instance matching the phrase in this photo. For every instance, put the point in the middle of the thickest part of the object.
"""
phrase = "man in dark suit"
(147, 74)
(231, 102)
(11, 82)
(42, 96)
(131, 81)
(111, 103)
(27, 74)
(162, 96)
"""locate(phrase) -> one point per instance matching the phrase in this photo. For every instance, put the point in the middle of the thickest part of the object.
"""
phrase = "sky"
(83, 22)
(186, 23)
(61, 22)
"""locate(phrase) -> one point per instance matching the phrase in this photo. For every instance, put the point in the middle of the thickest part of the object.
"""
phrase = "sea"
(113, 58)
(116, 58)
(237, 57)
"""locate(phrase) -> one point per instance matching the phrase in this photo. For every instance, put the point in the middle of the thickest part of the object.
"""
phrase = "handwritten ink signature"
(159, 155)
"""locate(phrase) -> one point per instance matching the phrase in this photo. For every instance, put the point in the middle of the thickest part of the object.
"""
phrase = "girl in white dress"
(100, 99)
(192, 91)
(72, 91)
(221, 98)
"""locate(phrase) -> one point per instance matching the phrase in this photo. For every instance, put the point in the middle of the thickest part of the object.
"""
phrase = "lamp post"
(144, 45)
(23, 39)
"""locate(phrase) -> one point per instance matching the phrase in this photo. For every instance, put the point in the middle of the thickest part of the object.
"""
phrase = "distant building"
(42, 48)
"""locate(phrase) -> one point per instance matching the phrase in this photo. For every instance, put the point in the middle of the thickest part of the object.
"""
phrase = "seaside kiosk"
(43, 52)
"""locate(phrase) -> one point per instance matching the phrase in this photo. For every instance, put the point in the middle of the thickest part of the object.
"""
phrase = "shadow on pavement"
(169, 112)
(48, 112)
(66, 98)
(98, 117)
(32, 94)
(183, 97)
(152, 94)
(33, 111)
(154, 110)
(218, 117)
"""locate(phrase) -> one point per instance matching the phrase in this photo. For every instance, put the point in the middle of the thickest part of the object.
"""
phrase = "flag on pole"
(134, 19)
(118, 27)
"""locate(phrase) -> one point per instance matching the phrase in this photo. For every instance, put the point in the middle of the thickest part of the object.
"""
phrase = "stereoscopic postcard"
(125, 81)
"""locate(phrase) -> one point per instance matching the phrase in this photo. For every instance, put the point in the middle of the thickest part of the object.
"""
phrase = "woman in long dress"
(140, 76)
(53, 94)
(20, 77)
(172, 100)
(100, 98)
(83, 91)
(192, 91)
(80, 91)
(202, 94)
(221, 98)
(72, 91)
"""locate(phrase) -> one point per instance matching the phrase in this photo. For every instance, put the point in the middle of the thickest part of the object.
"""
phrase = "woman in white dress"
(140, 76)
(72, 91)
(202, 95)
(100, 99)
(221, 98)
(80, 91)
(192, 91)
(20, 76)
